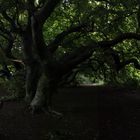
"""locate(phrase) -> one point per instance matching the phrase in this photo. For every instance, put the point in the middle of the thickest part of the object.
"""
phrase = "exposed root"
(35, 110)
(9, 98)
(53, 113)
(30, 109)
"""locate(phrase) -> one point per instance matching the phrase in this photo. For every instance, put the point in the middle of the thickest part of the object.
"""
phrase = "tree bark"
(38, 85)
(43, 97)
(32, 67)
(39, 99)
(32, 75)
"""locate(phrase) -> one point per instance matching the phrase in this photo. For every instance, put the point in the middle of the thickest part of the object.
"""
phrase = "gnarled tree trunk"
(32, 67)
(39, 86)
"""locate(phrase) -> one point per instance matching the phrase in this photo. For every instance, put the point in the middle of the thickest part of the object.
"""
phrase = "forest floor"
(89, 113)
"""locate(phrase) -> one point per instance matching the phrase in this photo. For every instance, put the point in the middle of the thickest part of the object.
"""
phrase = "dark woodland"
(69, 70)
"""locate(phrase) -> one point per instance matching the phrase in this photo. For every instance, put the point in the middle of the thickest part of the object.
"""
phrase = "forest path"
(90, 113)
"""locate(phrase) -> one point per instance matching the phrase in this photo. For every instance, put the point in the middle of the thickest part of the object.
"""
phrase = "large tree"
(58, 36)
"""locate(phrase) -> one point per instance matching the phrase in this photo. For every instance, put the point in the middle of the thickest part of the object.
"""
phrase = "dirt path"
(90, 113)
